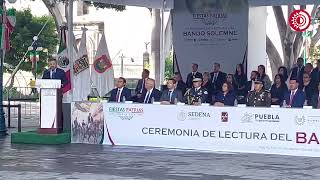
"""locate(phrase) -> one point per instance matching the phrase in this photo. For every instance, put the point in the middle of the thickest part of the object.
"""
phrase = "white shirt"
(51, 73)
(170, 94)
(120, 92)
(294, 92)
(148, 94)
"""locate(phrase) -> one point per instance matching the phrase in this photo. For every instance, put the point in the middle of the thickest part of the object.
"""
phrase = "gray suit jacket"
(175, 94)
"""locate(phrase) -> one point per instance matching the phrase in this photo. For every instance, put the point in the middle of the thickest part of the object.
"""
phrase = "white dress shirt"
(120, 92)
(148, 94)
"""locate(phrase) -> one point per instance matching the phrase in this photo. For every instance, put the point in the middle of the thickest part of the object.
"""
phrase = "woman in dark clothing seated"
(278, 89)
(226, 97)
(206, 83)
(283, 71)
(230, 79)
(241, 82)
(307, 87)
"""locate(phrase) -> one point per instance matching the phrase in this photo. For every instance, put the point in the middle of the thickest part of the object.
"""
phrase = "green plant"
(169, 67)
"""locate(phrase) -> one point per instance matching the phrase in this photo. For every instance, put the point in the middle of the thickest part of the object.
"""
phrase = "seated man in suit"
(193, 74)
(171, 95)
(218, 78)
(315, 100)
(250, 84)
(180, 85)
(297, 72)
(294, 97)
(121, 93)
(140, 88)
(54, 72)
(151, 93)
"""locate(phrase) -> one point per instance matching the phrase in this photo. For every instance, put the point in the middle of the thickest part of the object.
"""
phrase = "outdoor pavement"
(102, 162)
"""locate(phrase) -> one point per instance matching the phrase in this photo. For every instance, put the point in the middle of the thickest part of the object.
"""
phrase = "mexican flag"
(64, 63)
(34, 58)
(9, 21)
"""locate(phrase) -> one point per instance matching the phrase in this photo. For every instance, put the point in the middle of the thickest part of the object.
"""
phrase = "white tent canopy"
(169, 3)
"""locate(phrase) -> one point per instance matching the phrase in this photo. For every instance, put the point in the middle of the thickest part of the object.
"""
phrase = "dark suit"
(125, 93)
(309, 91)
(298, 99)
(217, 84)
(315, 100)
(182, 87)
(140, 88)
(315, 76)
(190, 77)
(57, 74)
(295, 75)
(156, 95)
(175, 94)
(227, 100)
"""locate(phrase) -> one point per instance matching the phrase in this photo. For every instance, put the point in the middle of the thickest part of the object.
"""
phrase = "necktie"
(142, 86)
(118, 96)
(170, 96)
(146, 100)
(51, 74)
(291, 98)
(215, 77)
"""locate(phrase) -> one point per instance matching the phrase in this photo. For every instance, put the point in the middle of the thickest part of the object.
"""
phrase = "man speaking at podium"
(55, 73)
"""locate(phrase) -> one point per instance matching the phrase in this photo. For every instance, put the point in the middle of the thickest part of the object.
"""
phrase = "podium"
(50, 106)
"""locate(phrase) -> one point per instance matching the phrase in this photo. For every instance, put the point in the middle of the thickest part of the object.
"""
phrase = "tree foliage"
(168, 67)
(291, 41)
(28, 26)
(315, 54)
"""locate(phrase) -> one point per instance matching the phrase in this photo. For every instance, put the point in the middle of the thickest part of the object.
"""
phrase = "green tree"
(168, 67)
(28, 26)
(315, 54)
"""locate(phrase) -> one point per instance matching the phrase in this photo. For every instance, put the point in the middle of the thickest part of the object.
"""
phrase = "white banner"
(205, 33)
(249, 130)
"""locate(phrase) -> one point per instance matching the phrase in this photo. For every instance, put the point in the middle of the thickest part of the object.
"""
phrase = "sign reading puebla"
(260, 117)
(126, 113)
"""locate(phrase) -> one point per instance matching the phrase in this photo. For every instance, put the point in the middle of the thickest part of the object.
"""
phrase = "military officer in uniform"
(259, 97)
(196, 95)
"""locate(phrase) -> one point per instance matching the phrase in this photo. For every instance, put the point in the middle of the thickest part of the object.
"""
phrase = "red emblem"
(299, 20)
(224, 117)
(102, 64)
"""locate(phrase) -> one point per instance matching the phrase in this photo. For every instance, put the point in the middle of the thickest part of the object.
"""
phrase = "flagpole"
(70, 43)
(3, 129)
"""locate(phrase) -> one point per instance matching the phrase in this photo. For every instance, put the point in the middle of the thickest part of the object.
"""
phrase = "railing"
(28, 100)
(9, 106)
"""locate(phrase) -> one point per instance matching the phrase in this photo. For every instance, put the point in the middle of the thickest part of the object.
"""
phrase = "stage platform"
(32, 137)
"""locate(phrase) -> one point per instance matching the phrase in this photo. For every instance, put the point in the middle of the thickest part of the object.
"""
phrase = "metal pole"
(3, 129)
(122, 57)
(162, 58)
(19, 117)
(70, 43)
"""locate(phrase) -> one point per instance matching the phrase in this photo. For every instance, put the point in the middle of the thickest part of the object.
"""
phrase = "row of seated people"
(258, 97)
